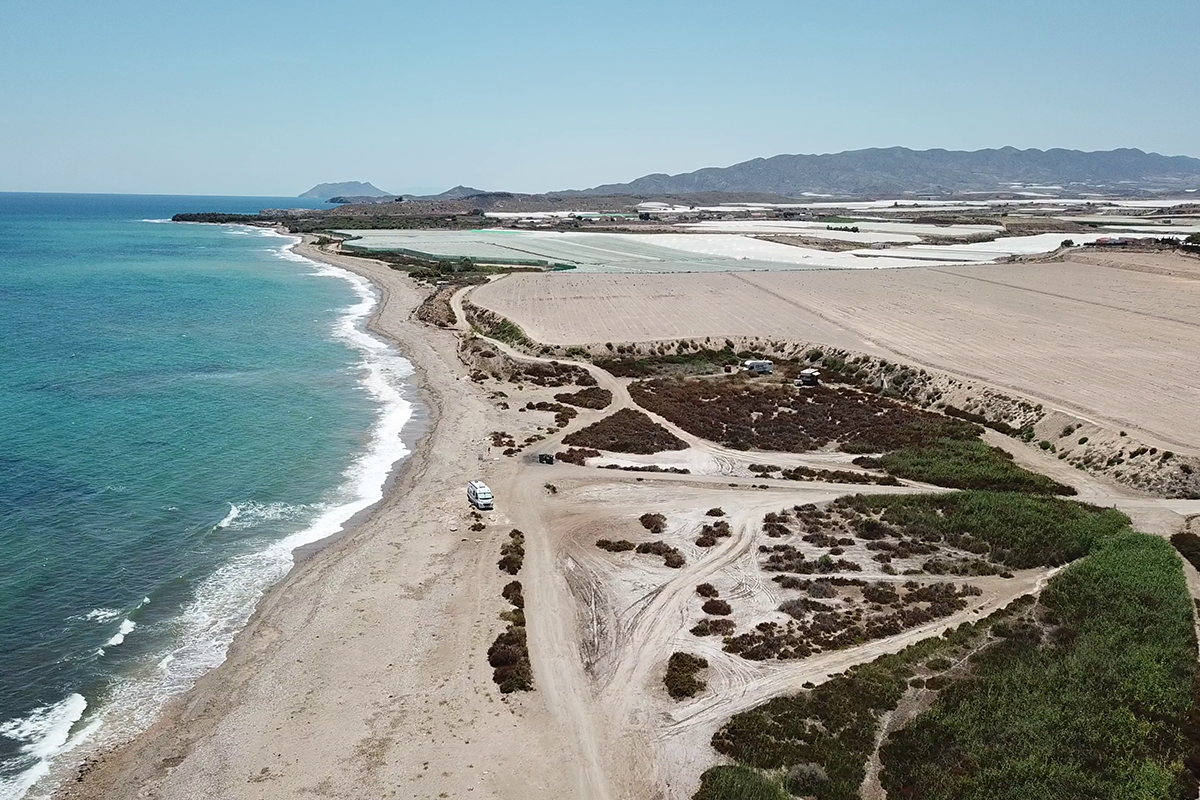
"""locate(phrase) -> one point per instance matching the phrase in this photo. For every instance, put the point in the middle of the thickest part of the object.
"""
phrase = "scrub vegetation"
(680, 679)
(1099, 701)
(918, 445)
(968, 464)
(509, 654)
(626, 431)
(591, 397)
(745, 413)
(1088, 691)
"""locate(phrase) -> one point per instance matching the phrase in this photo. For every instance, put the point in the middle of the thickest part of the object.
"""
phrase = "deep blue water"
(179, 406)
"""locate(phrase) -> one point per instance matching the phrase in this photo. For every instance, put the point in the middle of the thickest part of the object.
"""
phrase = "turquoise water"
(180, 405)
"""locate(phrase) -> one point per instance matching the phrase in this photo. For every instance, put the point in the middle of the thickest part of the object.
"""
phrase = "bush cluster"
(655, 523)
(709, 534)
(713, 627)
(512, 553)
(969, 464)
(619, 546)
(509, 659)
(591, 397)
(819, 740)
(745, 414)
(576, 455)
(648, 468)
(562, 414)
(626, 431)
(671, 556)
(707, 590)
(552, 374)
(680, 679)
(1102, 706)
(509, 654)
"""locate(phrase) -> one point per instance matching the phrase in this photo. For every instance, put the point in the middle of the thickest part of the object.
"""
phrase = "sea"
(181, 406)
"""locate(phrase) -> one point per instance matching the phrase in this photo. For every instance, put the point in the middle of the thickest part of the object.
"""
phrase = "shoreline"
(416, 434)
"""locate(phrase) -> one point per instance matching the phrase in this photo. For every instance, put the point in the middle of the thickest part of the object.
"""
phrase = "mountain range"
(899, 170)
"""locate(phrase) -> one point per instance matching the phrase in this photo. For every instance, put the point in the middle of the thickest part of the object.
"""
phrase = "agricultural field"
(1032, 329)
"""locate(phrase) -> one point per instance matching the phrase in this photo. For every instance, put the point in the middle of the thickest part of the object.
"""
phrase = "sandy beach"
(364, 672)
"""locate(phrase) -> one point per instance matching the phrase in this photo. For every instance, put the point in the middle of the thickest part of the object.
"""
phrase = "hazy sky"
(269, 98)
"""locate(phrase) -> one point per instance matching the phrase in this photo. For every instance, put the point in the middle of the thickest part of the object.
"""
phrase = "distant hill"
(897, 170)
(458, 193)
(324, 191)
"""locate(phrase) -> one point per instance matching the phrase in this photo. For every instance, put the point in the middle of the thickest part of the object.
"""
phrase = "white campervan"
(479, 495)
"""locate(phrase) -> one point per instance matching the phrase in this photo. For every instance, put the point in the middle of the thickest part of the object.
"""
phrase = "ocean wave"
(251, 513)
(99, 615)
(222, 603)
(157, 221)
(230, 517)
(42, 734)
(127, 626)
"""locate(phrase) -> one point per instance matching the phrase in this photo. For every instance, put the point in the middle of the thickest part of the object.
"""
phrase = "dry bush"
(619, 546)
(715, 512)
(713, 627)
(576, 456)
(655, 523)
(591, 397)
(512, 553)
(746, 414)
(681, 680)
(718, 608)
(626, 431)
(509, 659)
(562, 414)
(512, 593)
(671, 556)
(649, 468)
(707, 590)
(552, 374)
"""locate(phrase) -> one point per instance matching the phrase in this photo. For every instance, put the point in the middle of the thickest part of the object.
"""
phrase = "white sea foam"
(251, 514)
(100, 615)
(230, 517)
(224, 601)
(127, 626)
(42, 734)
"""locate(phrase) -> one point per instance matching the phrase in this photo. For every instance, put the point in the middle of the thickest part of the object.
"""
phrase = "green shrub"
(738, 783)
(1104, 709)
(968, 464)
(680, 679)
(1013, 529)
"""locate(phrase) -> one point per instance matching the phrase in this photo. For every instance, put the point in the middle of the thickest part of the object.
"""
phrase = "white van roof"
(479, 486)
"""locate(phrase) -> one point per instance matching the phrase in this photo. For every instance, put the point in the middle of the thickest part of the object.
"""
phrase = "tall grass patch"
(968, 464)
(1100, 702)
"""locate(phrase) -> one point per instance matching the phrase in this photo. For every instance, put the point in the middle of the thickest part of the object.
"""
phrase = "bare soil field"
(1110, 341)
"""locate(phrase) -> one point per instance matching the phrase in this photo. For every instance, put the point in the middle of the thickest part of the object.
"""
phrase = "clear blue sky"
(269, 97)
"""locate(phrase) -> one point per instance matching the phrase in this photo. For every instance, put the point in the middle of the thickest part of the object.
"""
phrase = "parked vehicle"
(809, 377)
(479, 495)
(759, 366)
(545, 458)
